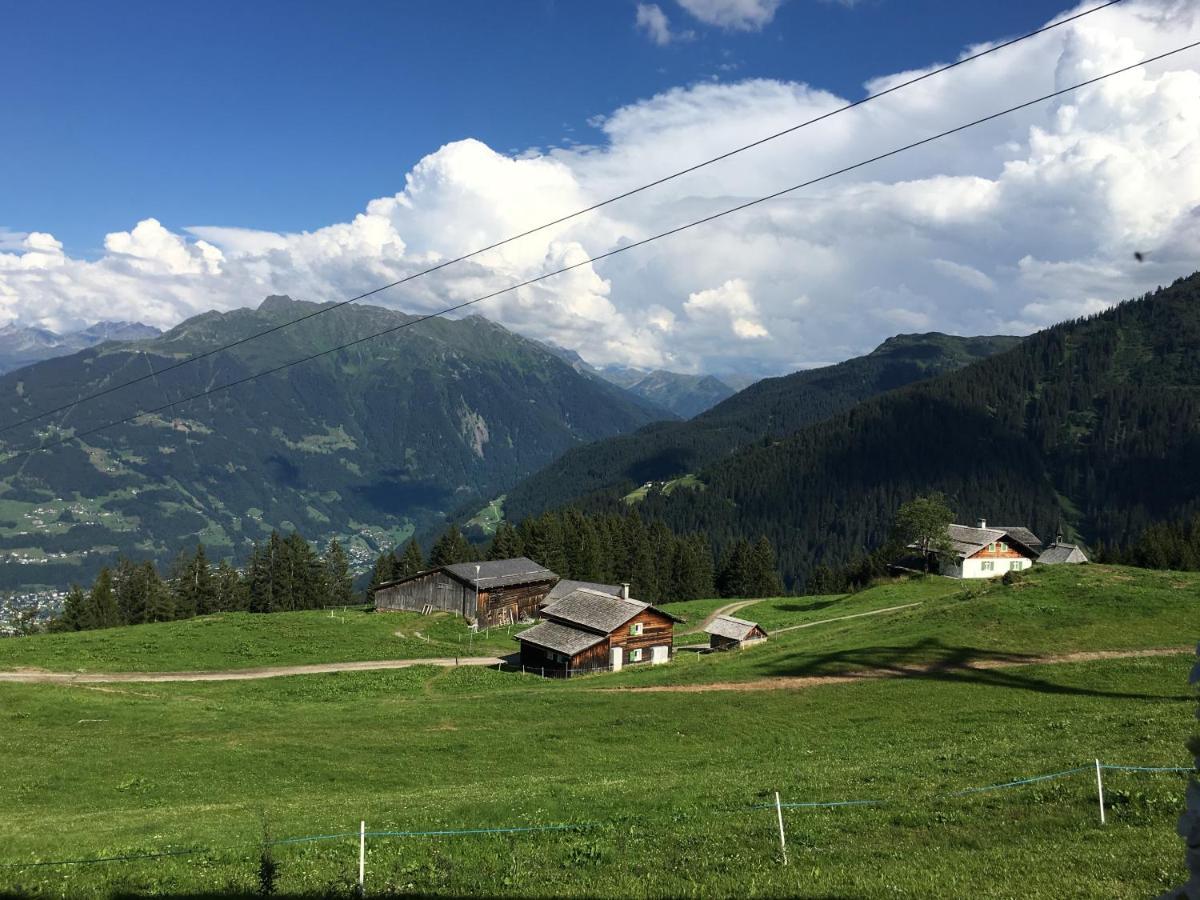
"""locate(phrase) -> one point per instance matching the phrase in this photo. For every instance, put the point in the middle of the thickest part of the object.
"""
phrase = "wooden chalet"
(590, 630)
(496, 592)
(730, 633)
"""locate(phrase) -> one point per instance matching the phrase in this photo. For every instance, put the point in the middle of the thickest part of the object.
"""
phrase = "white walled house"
(988, 551)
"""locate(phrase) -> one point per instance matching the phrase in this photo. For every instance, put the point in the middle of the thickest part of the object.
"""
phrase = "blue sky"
(288, 116)
(163, 159)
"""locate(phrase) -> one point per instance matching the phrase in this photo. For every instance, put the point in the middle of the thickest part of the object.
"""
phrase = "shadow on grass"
(932, 659)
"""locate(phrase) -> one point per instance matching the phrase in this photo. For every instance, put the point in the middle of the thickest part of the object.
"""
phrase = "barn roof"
(561, 638)
(597, 611)
(492, 573)
(730, 627)
(1059, 552)
(566, 586)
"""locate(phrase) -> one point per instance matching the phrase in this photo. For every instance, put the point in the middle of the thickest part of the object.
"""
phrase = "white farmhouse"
(988, 551)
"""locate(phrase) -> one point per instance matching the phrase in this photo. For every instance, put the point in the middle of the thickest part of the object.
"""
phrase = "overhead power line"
(560, 220)
(614, 252)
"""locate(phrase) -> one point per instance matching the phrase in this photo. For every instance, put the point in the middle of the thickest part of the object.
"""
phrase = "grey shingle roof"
(594, 610)
(965, 540)
(1022, 536)
(1058, 553)
(566, 586)
(561, 638)
(730, 627)
(500, 572)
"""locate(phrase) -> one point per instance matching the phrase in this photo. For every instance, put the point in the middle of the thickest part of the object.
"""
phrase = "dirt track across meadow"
(41, 676)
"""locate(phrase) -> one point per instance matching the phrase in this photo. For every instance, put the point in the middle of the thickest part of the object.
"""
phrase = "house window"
(991, 548)
(1002, 547)
(1015, 565)
(636, 629)
(987, 566)
(635, 655)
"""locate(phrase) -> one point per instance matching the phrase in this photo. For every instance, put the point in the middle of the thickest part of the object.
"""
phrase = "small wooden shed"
(490, 593)
(588, 630)
(728, 633)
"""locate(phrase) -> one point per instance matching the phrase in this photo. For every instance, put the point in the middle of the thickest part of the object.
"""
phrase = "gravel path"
(41, 676)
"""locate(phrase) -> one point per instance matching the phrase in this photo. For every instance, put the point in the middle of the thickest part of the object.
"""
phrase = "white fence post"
(782, 839)
(1100, 790)
(362, 859)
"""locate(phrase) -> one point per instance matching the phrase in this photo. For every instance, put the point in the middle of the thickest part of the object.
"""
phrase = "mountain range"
(23, 345)
(680, 394)
(368, 444)
(1090, 428)
(772, 408)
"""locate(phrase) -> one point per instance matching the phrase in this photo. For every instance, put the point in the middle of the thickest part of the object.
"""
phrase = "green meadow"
(667, 791)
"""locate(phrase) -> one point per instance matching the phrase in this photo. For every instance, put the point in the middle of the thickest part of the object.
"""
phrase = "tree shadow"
(932, 659)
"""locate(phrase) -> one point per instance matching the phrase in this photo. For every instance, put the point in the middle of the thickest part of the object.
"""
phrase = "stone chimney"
(624, 590)
(982, 523)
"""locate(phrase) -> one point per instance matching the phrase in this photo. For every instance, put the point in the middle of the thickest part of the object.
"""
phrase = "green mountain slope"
(684, 395)
(1091, 426)
(773, 407)
(369, 444)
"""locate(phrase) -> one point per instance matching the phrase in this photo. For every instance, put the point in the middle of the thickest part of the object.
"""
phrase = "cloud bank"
(1006, 228)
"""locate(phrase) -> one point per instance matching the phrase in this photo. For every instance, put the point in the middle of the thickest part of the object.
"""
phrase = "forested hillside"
(1092, 426)
(773, 407)
(365, 445)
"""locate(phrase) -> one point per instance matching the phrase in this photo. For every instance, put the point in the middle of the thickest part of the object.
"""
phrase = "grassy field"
(666, 783)
(246, 640)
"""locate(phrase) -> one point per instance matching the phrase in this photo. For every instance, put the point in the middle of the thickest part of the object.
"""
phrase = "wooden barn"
(588, 630)
(729, 633)
(496, 592)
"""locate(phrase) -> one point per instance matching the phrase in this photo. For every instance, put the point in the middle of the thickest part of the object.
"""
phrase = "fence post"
(782, 839)
(1100, 791)
(362, 859)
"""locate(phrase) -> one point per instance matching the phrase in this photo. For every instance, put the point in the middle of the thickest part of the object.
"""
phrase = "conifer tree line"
(659, 565)
(282, 573)
(1166, 545)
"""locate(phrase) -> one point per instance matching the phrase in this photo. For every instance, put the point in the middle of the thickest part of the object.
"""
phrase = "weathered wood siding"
(436, 589)
(500, 606)
(540, 661)
(657, 631)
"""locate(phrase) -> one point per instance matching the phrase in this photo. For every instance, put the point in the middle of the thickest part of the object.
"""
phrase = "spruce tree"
(450, 548)
(764, 575)
(130, 592)
(734, 578)
(73, 612)
(339, 583)
(160, 603)
(410, 563)
(382, 572)
(101, 608)
(506, 543)
(233, 594)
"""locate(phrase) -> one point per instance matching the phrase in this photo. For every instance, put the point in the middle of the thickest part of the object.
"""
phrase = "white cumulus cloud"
(1008, 227)
(740, 15)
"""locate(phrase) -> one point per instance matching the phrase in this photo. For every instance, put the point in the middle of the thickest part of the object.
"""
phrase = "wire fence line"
(362, 834)
(1019, 782)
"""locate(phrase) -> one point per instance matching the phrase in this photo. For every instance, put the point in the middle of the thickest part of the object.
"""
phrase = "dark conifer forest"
(1090, 428)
